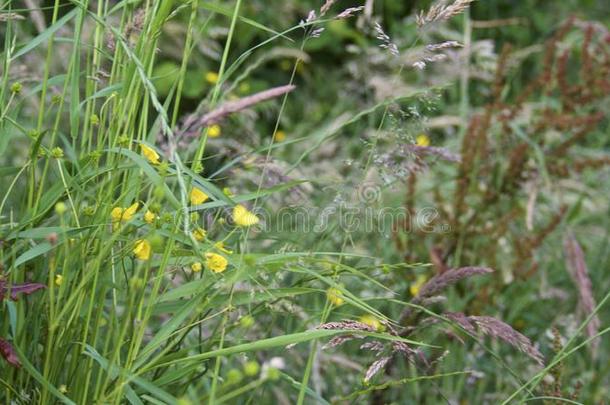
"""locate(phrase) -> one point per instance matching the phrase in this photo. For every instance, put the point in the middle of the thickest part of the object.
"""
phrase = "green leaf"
(45, 35)
(38, 377)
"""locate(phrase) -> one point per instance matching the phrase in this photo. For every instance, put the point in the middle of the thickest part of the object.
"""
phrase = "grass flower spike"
(150, 154)
(243, 217)
(142, 249)
(215, 262)
(198, 196)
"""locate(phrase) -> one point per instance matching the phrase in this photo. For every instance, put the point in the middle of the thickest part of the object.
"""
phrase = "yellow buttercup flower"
(198, 196)
(214, 131)
(130, 211)
(335, 296)
(142, 249)
(117, 214)
(215, 262)
(417, 285)
(221, 246)
(211, 77)
(371, 321)
(199, 234)
(243, 217)
(149, 217)
(120, 214)
(279, 136)
(422, 140)
(59, 279)
(150, 154)
(196, 267)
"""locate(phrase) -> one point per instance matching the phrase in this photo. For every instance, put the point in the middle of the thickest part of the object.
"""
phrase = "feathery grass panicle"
(386, 41)
(441, 12)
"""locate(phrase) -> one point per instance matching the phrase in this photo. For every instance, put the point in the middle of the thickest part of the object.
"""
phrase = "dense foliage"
(304, 202)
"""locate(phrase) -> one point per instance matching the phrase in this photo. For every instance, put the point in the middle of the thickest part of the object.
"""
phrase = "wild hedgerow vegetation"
(304, 202)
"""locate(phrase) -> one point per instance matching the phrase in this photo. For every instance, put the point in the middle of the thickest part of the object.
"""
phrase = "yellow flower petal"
(243, 217)
(130, 212)
(422, 140)
(199, 234)
(215, 262)
(196, 267)
(211, 77)
(197, 196)
(335, 295)
(279, 136)
(142, 249)
(214, 131)
(149, 217)
(116, 214)
(150, 154)
(417, 285)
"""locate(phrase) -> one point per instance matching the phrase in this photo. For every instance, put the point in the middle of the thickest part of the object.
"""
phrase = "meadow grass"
(147, 249)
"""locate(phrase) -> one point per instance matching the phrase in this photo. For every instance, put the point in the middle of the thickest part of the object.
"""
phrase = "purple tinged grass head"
(347, 325)
(441, 281)
(495, 328)
(376, 367)
(8, 353)
(577, 268)
(16, 289)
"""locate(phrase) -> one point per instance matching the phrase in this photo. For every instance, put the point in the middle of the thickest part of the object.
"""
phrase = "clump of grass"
(138, 257)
